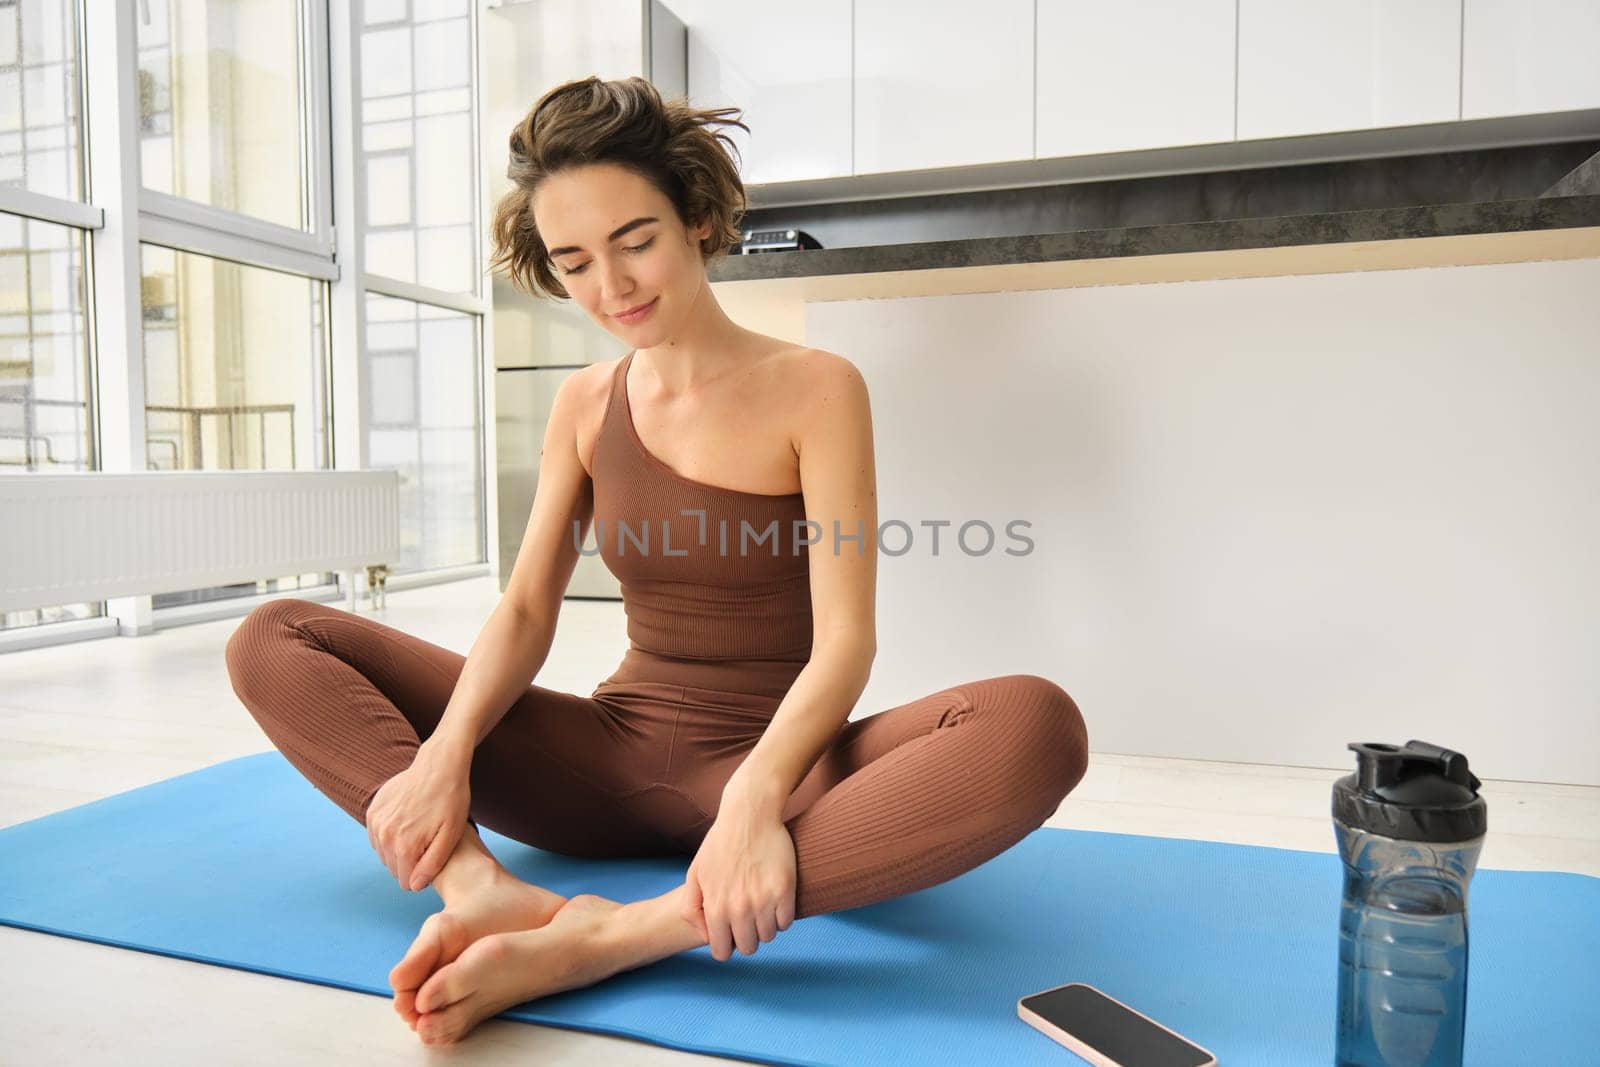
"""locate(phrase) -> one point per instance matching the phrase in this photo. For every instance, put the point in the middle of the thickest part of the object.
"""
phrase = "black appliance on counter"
(774, 241)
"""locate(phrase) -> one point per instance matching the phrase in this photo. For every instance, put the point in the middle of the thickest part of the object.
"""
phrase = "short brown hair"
(624, 122)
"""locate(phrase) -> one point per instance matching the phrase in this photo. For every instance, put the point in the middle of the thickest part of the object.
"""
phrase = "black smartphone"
(1107, 1032)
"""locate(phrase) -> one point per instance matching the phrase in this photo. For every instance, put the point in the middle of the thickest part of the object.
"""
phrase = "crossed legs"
(902, 800)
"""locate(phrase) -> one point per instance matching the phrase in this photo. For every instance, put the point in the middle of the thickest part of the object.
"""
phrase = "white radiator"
(67, 538)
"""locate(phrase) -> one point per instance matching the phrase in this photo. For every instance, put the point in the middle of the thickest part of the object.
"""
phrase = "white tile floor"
(83, 721)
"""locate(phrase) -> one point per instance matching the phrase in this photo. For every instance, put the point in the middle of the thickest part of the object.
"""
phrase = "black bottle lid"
(1419, 792)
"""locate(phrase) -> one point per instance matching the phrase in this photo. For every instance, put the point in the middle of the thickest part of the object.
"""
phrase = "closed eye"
(631, 248)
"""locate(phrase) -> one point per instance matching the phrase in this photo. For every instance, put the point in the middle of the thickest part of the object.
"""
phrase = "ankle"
(657, 920)
(470, 866)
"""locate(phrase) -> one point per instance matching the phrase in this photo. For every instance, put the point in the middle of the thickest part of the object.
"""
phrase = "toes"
(440, 931)
(448, 985)
(405, 1005)
(489, 955)
(431, 997)
(441, 1027)
(419, 960)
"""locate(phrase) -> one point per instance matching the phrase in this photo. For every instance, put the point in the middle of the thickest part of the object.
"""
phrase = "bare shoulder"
(813, 375)
(825, 388)
(593, 382)
(821, 366)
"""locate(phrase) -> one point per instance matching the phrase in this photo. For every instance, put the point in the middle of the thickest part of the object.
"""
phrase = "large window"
(174, 295)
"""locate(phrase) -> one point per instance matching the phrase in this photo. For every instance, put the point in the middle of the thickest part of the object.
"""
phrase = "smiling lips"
(634, 314)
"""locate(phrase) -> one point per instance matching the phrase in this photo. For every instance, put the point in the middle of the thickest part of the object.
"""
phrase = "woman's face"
(611, 262)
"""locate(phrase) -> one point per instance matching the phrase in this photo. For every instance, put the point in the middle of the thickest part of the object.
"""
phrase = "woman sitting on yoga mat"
(701, 456)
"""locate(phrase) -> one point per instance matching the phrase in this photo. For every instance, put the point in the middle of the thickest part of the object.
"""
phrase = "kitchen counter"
(1454, 234)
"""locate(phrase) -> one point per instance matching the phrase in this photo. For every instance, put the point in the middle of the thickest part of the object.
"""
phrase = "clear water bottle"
(1410, 824)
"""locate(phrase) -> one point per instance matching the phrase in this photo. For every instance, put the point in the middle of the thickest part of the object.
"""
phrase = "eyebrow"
(612, 236)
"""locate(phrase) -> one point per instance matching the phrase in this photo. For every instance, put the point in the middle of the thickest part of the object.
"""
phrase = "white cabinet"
(1318, 66)
(1135, 74)
(1523, 57)
(942, 83)
(833, 88)
(787, 66)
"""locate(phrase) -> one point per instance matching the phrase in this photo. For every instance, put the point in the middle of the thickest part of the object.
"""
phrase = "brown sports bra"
(707, 573)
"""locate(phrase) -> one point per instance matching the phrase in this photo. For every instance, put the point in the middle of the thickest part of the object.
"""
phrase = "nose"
(614, 283)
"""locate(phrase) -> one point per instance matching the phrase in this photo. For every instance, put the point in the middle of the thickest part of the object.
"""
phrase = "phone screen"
(1102, 1023)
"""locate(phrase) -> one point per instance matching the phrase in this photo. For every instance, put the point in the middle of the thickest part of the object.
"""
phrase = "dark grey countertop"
(1215, 235)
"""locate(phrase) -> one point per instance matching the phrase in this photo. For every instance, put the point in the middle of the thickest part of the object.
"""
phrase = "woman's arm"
(508, 652)
(838, 478)
(516, 640)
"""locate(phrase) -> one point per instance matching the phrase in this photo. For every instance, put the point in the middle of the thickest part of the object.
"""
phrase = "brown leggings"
(901, 800)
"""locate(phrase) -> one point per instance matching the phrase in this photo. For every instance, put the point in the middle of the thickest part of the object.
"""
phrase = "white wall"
(1270, 515)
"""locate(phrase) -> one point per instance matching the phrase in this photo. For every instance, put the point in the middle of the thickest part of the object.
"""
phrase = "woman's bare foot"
(590, 939)
(481, 898)
(502, 970)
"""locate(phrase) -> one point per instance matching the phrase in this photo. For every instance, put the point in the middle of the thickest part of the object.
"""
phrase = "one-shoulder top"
(707, 573)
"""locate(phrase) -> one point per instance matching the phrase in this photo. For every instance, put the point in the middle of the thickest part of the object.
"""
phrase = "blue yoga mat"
(1232, 945)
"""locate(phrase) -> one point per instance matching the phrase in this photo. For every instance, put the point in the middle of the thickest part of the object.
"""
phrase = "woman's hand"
(741, 882)
(417, 817)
